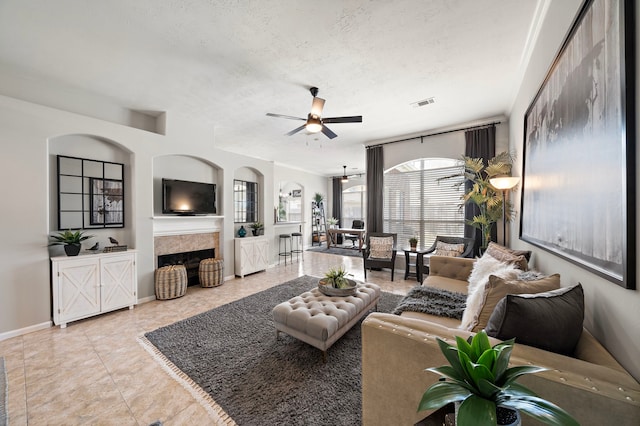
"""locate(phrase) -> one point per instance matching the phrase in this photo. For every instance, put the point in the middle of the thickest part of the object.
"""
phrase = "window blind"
(418, 203)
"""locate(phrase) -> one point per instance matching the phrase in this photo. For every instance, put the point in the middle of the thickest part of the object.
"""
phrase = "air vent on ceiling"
(423, 102)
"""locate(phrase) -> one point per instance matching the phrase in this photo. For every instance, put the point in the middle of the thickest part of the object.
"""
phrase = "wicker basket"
(211, 272)
(171, 282)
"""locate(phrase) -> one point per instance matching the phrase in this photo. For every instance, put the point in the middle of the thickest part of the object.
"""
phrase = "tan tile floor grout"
(96, 372)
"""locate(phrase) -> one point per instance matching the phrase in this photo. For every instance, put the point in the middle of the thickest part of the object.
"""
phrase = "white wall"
(26, 130)
(611, 311)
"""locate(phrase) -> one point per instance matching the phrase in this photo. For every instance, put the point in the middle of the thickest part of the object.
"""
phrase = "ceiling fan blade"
(353, 119)
(285, 116)
(294, 131)
(316, 106)
(328, 133)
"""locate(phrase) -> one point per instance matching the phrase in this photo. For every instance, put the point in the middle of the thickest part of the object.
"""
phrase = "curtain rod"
(435, 134)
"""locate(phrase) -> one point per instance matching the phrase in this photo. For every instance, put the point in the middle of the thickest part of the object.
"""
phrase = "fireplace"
(190, 260)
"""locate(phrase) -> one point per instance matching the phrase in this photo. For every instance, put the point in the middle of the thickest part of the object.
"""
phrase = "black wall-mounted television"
(188, 198)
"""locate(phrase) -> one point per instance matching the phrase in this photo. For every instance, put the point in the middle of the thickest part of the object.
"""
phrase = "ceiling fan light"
(314, 125)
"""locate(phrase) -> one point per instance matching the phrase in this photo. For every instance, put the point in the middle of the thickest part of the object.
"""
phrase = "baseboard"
(19, 332)
(147, 299)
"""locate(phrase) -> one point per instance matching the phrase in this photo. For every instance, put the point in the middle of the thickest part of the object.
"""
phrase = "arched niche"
(290, 205)
(248, 195)
(188, 168)
(87, 162)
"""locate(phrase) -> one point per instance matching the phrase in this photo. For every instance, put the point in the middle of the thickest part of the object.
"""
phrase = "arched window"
(354, 205)
(418, 202)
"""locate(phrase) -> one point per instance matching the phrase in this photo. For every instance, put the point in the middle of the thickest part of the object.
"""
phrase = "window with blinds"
(418, 203)
(354, 205)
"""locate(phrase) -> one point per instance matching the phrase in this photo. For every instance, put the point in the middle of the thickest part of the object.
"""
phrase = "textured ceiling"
(229, 62)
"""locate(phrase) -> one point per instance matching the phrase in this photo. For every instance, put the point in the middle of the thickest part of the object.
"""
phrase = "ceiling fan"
(314, 121)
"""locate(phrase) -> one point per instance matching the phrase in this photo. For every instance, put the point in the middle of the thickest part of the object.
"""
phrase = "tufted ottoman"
(321, 320)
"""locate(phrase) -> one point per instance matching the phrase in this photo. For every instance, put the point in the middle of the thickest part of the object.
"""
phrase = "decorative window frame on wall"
(245, 201)
(91, 193)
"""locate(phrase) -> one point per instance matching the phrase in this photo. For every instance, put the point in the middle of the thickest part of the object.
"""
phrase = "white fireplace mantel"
(179, 225)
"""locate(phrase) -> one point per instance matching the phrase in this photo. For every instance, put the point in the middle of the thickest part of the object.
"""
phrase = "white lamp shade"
(505, 182)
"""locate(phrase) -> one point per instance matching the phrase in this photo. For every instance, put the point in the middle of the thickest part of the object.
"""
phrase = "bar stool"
(284, 238)
(296, 237)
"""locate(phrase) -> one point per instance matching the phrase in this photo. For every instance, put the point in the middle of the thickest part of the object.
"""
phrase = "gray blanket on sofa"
(431, 300)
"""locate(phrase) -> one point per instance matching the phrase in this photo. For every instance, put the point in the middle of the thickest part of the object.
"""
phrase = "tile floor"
(96, 372)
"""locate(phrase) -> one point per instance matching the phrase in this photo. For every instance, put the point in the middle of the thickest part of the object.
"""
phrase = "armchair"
(469, 246)
(380, 251)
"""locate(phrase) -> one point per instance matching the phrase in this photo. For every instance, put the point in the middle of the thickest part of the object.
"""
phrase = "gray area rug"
(4, 394)
(431, 300)
(232, 353)
(336, 250)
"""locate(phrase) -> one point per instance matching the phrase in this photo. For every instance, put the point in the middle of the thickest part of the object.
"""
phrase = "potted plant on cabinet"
(481, 381)
(257, 228)
(71, 241)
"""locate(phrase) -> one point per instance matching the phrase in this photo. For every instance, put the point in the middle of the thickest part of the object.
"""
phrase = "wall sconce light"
(504, 184)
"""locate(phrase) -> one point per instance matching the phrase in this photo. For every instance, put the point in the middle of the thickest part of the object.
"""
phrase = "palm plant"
(481, 380)
(482, 194)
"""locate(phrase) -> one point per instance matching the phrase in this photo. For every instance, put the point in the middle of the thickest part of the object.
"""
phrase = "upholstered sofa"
(396, 349)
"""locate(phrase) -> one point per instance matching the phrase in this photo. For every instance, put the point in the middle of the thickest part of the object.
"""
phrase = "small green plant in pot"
(72, 241)
(336, 277)
(413, 242)
(257, 228)
(479, 378)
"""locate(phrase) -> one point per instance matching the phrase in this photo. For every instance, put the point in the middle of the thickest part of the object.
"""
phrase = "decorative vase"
(505, 416)
(414, 246)
(242, 232)
(508, 417)
(72, 249)
(254, 232)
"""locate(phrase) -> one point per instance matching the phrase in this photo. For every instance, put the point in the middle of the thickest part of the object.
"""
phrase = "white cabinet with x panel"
(92, 284)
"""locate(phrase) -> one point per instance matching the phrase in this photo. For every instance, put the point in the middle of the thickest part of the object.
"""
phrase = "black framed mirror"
(90, 193)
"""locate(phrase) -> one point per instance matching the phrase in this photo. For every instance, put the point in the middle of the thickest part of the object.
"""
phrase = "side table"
(418, 268)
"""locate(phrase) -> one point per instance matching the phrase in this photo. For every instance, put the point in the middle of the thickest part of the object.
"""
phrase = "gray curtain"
(479, 143)
(337, 201)
(337, 205)
(375, 190)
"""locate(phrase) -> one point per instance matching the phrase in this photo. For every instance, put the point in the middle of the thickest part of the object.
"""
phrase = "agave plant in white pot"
(480, 380)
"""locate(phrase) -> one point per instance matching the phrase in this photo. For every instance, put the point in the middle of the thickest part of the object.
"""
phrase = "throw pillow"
(478, 278)
(498, 287)
(551, 321)
(507, 255)
(381, 247)
(447, 249)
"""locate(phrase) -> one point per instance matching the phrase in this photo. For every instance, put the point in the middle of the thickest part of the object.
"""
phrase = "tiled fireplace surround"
(180, 234)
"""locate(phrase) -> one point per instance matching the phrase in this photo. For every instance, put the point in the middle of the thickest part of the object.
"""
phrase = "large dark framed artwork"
(578, 198)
